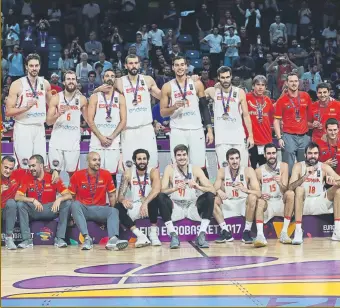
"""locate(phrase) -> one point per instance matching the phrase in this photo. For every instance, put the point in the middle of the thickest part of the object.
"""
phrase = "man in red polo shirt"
(37, 200)
(10, 182)
(322, 110)
(89, 188)
(260, 109)
(291, 111)
(330, 145)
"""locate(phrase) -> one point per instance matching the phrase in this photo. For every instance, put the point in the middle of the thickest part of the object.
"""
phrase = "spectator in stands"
(118, 60)
(335, 80)
(279, 48)
(118, 73)
(93, 48)
(4, 66)
(6, 85)
(207, 82)
(176, 51)
(191, 68)
(12, 31)
(330, 34)
(155, 39)
(91, 13)
(214, 40)
(54, 16)
(141, 47)
(205, 66)
(305, 16)
(145, 33)
(311, 80)
(244, 67)
(204, 22)
(253, 22)
(172, 19)
(290, 15)
(99, 70)
(245, 42)
(238, 12)
(65, 63)
(83, 68)
(70, 21)
(16, 63)
(312, 51)
(146, 68)
(106, 64)
(271, 76)
(329, 58)
(26, 9)
(116, 40)
(164, 78)
(42, 45)
(28, 37)
(75, 50)
(231, 44)
(159, 123)
(88, 89)
(297, 54)
(258, 57)
(277, 30)
(329, 12)
(56, 86)
(226, 21)
(169, 40)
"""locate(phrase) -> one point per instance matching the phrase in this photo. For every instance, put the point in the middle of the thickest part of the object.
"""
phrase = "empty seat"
(192, 54)
(54, 47)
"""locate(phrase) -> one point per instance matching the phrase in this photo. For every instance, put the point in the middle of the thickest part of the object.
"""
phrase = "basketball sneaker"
(142, 241)
(201, 241)
(284, 238)
(10, 243)
(260, 241)
(26, 244)
(88, 243)
(59, 242)
(115, 243)
(298, 237)
(336, 236)
(225, 236)
(154, 239)
(175, 243)
(246, 237)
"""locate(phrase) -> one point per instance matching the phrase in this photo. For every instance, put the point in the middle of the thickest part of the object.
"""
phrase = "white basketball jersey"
(66, 130)
(269, 185)
(189, 116)
(141, 114)
(231, 191)
(36, 114)
(136, 186)
(313, 184)
(106, 128)
(186, 195)
(230, 130)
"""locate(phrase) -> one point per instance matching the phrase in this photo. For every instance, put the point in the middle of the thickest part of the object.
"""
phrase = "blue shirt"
(16, 66)
(156, 114)
(106, 65)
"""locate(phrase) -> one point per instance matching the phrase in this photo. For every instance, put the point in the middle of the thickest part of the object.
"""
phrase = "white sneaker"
(284, 238)
(336, 236)
(142, 241)
(154, 239)
(298, 237)
(260, 241)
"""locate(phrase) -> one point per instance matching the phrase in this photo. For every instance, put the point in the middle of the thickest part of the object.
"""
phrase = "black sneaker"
(246, 237)
(225, 236)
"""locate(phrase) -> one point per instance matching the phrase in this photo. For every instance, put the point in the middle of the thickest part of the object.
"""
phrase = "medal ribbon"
(135, 90)
(142, 187)
(336, 149)
(108, 106)
(276, 171)
(93, 188)
(226, 106)
(297, 108)
(233, 179)
(187, 176)
(183, 93)
(68, 102)
(34, 91)
(38, 190)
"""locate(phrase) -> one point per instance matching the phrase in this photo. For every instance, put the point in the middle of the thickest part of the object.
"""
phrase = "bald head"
(93, 160)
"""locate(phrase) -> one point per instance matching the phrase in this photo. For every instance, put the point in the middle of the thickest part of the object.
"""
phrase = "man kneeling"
(183, 181)
(273, 177)
(146, 199)
(237, 192)
(37, 200)
(89, 187)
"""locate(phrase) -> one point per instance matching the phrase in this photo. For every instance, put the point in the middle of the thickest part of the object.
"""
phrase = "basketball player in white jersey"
(107, 119)
(182, 182)
(64, 114)
(307, 180)
(26, 103)
(181, 102)
(273, 177)
(145, 201)
(230, 109)
(237, 190)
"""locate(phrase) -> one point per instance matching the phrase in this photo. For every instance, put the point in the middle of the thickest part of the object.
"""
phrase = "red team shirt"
(81, 185)
(31, 187)
(285, 110)
(327, 151)
(322, 114)
(13, 183)
(262, 132)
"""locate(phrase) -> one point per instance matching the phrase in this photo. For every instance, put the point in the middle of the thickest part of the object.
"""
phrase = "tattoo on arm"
(124, 185)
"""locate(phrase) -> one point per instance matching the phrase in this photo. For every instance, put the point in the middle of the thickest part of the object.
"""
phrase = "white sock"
(223, 226)
(170, 227)
(286, 223)
(259, 226)
(248, 225)
(204, 225)
(153, 230)
(337, 225)
(298, 227)
(137, 232)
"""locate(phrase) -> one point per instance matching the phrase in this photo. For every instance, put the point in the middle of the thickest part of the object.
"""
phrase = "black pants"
(205, 205)
(161, 205)
(215, 59)
(256, 158)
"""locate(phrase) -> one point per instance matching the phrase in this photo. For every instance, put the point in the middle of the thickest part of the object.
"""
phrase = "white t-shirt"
(214, 42)
(156, 37)
(234, 40)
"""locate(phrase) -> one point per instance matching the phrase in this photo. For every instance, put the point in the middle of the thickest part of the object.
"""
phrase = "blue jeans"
(228, 61)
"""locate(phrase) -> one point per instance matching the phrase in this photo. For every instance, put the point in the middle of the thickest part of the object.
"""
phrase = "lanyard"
(38, 190)
(6, 181)
(226, 106)
(233, 179)
(186, 176)
(296, 108)
(92, 189)
(142, 187)
(183, 93)
(34, 91)
(68, 102)
(274, 169)
(134, 101)
(108, 106)
(336, 149)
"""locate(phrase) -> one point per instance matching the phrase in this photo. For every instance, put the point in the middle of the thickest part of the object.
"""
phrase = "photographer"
(76, 50)
(116, 40)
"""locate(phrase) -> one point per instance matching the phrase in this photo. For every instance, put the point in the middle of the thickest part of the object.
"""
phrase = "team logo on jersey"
(224, 164)
(24, 161)
(77, 101)
(324, 152)
(55, 163)
(116, 100)
(191, 87)
(83, 186)
(41, 86)
(142, 83)
(241, 177)
(129, 163)
(318, 173)
(32, 189)
(234, 94)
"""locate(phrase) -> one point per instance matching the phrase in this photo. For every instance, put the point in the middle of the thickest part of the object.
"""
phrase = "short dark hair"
(38, 158)
(292, 74)
(232, 151)
(140, 151)
(9, 158)
(311, 145)
(109, 70)
(224, 69)
(331, 121)
(92, 73)
(323, 85)
(130, 56)
(180, 147)
(268, 146)
(33, 56)
(178, 58)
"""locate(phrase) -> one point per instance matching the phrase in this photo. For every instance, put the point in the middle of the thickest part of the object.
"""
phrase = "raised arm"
(167, 185)
(122, 113)
(246, 118)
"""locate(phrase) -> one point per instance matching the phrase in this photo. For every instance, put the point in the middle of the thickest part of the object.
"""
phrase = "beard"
(312, 161)
(272, 161)
(70, 88)
(141, 167)
(133, 71)
(109, 82)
